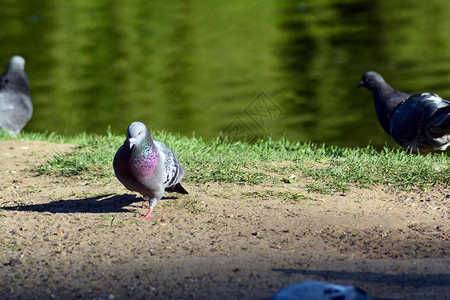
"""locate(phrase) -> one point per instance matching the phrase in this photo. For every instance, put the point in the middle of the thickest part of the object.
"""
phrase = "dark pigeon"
(318, 290)
(419, 122)
(15, 103)
(148, 167)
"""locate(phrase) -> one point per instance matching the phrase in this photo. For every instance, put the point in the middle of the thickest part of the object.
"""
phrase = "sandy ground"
(66, 238)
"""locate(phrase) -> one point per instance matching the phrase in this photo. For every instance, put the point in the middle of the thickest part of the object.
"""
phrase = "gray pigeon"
(148, 167)
(318, 290)
(418, 123)
(15, 103)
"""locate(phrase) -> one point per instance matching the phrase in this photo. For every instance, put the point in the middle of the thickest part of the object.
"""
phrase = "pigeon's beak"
(360, 84)
(132, 141)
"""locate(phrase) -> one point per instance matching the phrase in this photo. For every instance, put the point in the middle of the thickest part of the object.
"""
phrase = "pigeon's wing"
(5, 104)
(15, 111)
(411, 121)
(173, 170)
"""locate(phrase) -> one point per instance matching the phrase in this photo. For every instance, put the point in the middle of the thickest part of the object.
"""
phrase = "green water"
(249, 68)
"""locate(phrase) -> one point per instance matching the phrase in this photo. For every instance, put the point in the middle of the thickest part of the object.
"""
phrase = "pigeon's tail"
(444, 122)
(440, 122)
(438, 134)
(178, 188)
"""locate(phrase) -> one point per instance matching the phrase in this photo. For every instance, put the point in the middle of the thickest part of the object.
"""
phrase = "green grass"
(109, 223)
(286, 196)
(267, 161)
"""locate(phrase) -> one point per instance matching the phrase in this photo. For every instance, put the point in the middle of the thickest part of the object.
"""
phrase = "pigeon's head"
(14, 76)
(137, 133)
(16, 63)
(371, 80)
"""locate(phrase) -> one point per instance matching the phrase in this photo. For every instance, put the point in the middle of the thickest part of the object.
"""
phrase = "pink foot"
(148, 215)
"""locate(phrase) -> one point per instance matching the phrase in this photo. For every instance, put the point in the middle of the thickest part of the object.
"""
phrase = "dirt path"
(67, 238)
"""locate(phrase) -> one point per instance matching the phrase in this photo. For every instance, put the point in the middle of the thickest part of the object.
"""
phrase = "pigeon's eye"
(367, 80)
(139, 133)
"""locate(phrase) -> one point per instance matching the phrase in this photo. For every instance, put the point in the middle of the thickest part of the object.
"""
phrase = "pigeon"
(318, 290)
(15, 103)
(418, 123)
(148, 167)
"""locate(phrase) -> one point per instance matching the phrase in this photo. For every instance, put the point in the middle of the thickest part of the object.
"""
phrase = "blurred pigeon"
(148, 167)
(317, 290)
(419, 122)
(15, 103)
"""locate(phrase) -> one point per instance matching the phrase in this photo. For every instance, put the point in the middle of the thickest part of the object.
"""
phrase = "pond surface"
(247, 68)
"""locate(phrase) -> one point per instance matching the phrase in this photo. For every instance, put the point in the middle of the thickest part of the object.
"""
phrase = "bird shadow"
(107, 203)
(403, 279)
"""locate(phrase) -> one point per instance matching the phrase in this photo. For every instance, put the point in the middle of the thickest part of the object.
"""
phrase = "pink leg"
(148, 215)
